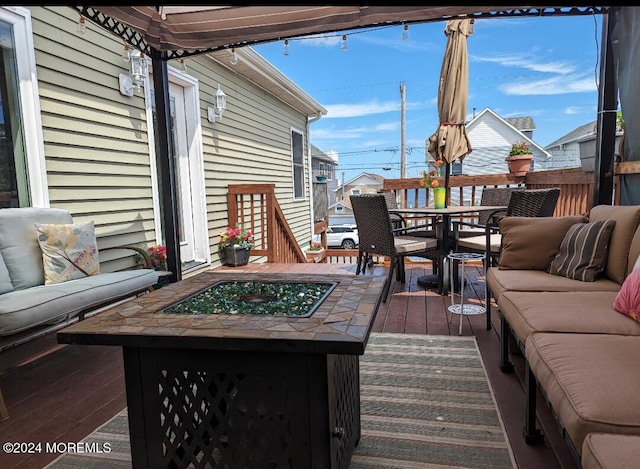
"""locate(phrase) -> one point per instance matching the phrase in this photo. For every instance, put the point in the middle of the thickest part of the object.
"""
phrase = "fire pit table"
(241, 390)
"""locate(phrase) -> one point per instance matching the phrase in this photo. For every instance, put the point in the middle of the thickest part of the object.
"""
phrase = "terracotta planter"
(315, 256)
(519, 165)
(232, 256)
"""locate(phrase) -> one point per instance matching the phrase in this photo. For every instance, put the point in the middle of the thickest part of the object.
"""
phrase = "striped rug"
(426, 403)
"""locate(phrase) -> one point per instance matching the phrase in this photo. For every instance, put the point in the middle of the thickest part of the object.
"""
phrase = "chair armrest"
(146, 260)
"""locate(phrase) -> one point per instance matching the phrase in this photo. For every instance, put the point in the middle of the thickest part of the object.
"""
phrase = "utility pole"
(403, 153)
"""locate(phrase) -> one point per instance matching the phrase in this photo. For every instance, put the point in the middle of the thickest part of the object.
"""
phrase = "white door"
(183, 173)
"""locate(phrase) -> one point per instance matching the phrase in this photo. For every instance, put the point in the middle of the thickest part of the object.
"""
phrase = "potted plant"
(320, 177)
(315, 251)
(431, 180)
(158, 256)
(235, 245)
(519, 158)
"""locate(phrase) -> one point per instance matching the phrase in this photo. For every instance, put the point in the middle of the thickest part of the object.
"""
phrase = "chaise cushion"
(69, 251)
(586, 312)
(627, 218)
(19, 242)
(532, 242)
(48, 304)
(610, 451)
(590, 381)
(583, 252)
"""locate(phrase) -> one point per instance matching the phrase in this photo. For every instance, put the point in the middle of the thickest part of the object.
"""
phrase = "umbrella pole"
(447, 170)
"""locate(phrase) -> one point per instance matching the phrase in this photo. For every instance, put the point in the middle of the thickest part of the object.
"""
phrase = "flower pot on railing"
(439, 197)
(519, 165)
(315, 255)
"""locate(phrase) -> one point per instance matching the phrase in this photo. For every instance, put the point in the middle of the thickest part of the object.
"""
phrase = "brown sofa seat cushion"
(500, 281)
(532, 243)
(580, 312)
(627, 218)
(590, 380)
(610, 451)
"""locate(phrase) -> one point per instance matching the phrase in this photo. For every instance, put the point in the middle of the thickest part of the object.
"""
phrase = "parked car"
(341, 236)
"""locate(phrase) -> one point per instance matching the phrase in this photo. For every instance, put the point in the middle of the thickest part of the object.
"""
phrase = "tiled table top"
(340, 325)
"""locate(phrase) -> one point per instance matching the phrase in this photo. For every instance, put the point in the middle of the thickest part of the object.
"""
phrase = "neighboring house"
(73, 140)
(365, 183)
(491, 137)
(327, 164)
(578, 148)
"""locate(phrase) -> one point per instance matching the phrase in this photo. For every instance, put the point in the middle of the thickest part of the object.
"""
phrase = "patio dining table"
(443, 219)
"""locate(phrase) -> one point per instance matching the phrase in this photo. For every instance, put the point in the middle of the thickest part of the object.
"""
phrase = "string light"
(285, 48)
(183, 65)
(343, 45)
(82, 27)
(234, 57)
(405, 33)
(126, 53)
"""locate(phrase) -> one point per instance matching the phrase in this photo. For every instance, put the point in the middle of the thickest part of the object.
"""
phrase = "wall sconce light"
(218, 110)
(138, 74)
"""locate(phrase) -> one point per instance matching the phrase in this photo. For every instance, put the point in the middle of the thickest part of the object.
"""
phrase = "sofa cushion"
(532, 242)
(19, 242)
(583, 252)
(610, 451)
(47, 304)
(500, 281)
(627, 218)
(579, 312)
(5, 280)
(69, 251)
(590, 381)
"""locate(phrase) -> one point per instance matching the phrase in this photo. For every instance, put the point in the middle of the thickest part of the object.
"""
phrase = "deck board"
(63, 392)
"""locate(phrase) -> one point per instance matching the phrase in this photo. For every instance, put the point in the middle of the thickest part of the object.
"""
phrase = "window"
(297, 155)
(23, 180)
(355, 191)
(339, 209)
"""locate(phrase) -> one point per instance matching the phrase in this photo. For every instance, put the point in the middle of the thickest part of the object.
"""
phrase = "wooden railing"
(576, 188)
(254, 206)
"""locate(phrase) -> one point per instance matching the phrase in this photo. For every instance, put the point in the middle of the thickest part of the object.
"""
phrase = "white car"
(341, 236)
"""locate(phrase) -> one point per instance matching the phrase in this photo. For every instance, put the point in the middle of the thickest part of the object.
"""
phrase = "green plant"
(238, 236)
(519, 148)
(619, 121)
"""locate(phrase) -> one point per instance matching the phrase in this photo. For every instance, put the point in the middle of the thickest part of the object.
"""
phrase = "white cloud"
(360, 109)
(549, 86)
(521, 61)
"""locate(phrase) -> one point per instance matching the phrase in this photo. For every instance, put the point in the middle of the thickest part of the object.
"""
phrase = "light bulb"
(126, 53)
(405, 33)
(285, 48)
(234, 57)
(183, 65)
(82, 27)
(343, 45)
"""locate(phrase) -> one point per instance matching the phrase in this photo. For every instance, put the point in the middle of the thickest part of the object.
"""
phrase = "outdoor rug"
(426, 403)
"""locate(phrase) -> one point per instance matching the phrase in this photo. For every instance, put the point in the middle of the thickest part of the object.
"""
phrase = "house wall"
(96, 140)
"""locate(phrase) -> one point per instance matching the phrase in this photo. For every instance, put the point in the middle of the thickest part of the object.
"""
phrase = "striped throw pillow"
(583, 251)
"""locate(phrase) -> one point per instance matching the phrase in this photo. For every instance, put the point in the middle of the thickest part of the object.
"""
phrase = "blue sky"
(545, 68)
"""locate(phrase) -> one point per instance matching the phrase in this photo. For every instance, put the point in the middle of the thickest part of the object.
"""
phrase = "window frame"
(299, 166)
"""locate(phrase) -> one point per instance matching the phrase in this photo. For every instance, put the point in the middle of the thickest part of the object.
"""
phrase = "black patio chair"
(377, 236)
(524, 203)
(491, 196)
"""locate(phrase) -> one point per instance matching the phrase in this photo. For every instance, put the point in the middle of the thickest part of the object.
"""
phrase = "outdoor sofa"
(35, 300)
(579, 349)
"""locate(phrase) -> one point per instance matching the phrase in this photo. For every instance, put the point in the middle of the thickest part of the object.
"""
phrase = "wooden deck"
(61, 393)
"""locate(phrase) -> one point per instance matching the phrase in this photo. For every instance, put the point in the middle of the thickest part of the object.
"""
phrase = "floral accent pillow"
(628, 298)
(68, 251)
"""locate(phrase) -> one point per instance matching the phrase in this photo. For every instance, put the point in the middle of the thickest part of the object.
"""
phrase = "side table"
(462, 308)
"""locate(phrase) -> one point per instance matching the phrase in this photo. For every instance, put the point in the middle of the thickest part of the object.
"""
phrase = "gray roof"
(575, 134)
(521, 123)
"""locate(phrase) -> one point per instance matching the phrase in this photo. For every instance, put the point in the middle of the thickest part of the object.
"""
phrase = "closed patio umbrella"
(450, 142)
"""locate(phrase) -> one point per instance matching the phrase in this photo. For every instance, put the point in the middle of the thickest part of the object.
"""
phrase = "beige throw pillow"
(68, 251)
(532, 243)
